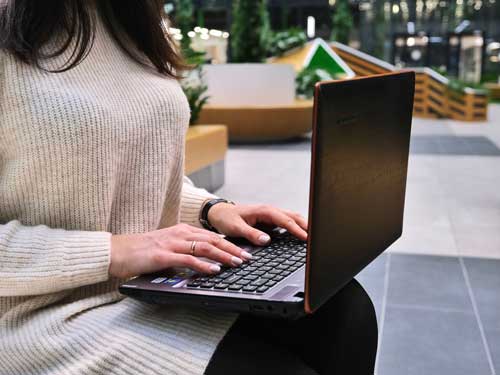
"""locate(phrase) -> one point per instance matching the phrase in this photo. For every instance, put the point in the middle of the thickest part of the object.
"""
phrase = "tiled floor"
(437, 289)
(437, 315)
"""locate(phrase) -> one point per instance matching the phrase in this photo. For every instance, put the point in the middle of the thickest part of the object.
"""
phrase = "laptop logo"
(347, 119)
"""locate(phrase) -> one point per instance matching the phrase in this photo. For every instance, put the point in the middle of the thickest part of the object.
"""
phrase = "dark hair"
(137, 25)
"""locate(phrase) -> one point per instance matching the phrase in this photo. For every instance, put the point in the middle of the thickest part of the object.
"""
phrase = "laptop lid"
(360, 147)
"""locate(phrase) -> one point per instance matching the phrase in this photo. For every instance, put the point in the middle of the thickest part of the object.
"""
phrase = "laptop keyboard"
(283, 256)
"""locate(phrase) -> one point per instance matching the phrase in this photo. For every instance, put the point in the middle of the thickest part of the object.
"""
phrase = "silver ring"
(193, 247)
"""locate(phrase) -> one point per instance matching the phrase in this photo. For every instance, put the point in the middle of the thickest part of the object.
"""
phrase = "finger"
(242, 229)
(221, 243)
(279, 218)
(194, 263)
(299, 219)
(206, 250)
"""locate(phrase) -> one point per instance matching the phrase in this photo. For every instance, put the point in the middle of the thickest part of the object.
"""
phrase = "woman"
(92, 127)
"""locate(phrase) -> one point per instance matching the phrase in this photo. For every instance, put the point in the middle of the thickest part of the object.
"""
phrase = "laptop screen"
(360, 147)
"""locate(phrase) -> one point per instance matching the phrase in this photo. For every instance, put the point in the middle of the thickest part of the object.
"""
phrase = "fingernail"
(214, 268)
(236, 261)
(264, 238)
(246, 255)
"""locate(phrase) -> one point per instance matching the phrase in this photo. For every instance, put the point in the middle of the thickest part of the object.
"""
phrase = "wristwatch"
(204, 212)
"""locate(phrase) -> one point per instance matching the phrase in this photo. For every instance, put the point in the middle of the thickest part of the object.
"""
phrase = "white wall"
(250, 84)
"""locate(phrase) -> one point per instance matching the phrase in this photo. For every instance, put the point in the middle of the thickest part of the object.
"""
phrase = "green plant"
(459, 86)
(197, 98)
(193, 85)
(249, 31)
(307, 78)
(282, 41)
(342, 22)
(184, 19)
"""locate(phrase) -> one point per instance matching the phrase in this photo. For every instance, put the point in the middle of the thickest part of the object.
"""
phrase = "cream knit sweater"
(96, 150)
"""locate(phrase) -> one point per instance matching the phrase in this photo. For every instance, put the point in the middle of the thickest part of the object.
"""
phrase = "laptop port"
(299, 295)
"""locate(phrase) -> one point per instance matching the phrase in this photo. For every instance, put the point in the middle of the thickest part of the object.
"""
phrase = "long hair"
(136, 25)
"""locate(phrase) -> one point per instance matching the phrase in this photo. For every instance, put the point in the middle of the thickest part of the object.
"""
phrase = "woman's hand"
(239, 221)
(135, 254)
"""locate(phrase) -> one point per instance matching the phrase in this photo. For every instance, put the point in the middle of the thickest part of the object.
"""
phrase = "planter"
(206, 147)
(494, 90)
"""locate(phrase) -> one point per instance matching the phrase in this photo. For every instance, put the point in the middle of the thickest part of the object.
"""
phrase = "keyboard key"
(262, 289)
(249, 288)
(278, 278)
(259, 282)
(194, 284)
(251, 277)
(232, 279)
(207, 285)
(235, 287)
(241, 273)
(221, 286)
(267, 276)
(271, 283)
(225, 274)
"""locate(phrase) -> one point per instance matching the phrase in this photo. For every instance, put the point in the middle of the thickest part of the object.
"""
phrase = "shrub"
(282, 41)
(250, 31)
(307, 78)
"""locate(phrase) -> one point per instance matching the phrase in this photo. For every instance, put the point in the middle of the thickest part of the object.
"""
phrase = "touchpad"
(284, 292)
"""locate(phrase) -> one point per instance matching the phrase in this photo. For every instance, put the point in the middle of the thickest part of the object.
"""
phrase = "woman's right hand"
(136, 254)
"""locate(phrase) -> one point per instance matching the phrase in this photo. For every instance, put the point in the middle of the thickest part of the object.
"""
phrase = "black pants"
(339, 338)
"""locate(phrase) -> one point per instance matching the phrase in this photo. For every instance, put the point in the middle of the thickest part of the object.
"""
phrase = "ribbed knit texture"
(96, 150)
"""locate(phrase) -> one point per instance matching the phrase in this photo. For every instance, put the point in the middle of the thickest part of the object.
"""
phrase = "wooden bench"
(261, 123)
(206, 147)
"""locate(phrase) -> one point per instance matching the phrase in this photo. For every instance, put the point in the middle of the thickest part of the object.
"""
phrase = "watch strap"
(204, 212)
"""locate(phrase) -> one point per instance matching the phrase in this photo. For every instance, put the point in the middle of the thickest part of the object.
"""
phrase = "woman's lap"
(122, 337)
(341, 337)
(131, 337)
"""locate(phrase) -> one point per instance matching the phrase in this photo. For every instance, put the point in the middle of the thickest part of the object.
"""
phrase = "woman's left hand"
(239, 221)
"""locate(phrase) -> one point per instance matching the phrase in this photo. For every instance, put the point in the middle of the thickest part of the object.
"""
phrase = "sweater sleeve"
(40, 260)
(191, 201)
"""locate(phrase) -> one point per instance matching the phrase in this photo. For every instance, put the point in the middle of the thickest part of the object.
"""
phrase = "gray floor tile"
(453, 145)
(372, 279)
(427, 281)
(484, 276)
(426, 342)
(493, 338)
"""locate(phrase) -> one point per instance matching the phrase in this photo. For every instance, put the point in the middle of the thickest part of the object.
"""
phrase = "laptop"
(360, 146)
